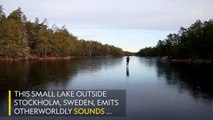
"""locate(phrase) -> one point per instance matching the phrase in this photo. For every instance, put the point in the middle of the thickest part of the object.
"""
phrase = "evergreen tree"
(195, 42)
(13, 36)
(22, 38)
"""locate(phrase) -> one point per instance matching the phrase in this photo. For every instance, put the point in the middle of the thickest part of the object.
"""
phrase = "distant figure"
(127, 60)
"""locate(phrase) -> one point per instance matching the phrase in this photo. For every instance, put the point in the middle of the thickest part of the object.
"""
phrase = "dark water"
(155, 90)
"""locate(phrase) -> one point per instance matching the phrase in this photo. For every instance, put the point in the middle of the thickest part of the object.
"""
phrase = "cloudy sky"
(128, 24)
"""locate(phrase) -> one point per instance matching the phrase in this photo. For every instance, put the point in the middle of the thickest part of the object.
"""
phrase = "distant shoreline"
(187, 60)
(50, 58)
(36, 58)
(180, 60)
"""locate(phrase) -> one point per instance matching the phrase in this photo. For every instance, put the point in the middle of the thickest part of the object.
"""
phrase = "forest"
(21, 38)
(195, 42)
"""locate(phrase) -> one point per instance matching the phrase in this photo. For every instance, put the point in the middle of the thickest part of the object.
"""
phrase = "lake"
(156, 90)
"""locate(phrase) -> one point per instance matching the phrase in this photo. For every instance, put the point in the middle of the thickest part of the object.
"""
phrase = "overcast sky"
(129, 24)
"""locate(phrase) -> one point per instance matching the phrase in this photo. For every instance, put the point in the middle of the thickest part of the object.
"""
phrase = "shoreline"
(188, 60)
(50, 58)
(36, 58)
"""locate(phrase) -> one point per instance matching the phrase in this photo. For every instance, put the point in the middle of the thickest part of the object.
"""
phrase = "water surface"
(156, 90)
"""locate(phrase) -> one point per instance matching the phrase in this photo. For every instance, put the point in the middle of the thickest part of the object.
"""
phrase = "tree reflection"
(28, 75)
(195, 78)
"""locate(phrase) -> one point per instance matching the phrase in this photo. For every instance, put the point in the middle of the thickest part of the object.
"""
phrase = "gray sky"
(129, 24)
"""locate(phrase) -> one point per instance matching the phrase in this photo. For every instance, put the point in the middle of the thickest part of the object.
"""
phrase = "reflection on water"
(127, 71)
(155, 90)
(40, 74)
(195, 78)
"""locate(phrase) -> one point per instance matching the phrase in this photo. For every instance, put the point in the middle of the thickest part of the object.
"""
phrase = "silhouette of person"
(127, 60)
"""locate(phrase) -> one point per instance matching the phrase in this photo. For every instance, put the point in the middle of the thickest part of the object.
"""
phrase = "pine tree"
(14, 38)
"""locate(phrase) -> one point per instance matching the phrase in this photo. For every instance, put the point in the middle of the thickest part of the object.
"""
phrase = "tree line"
(195, 42)
(20, 38)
